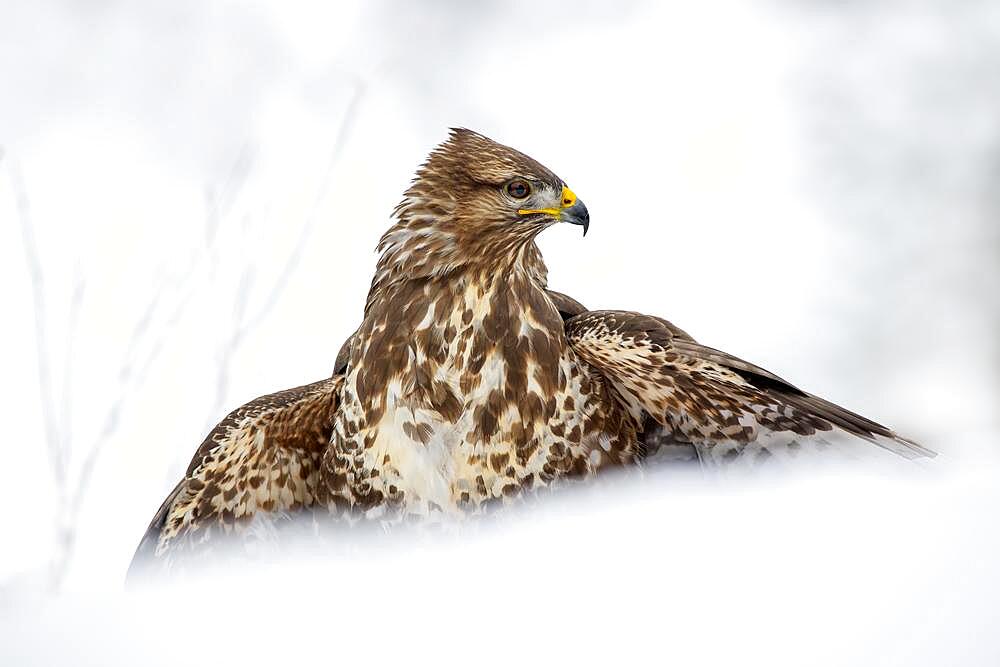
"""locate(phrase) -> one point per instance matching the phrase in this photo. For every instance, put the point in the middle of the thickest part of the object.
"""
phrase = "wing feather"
(721, 404)
(262, 459)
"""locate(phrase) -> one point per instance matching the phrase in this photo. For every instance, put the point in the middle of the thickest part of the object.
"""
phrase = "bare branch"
(148, 336)
(69, 365)
(132, 372)
(37, 278)
(310, 223)
(242, 324)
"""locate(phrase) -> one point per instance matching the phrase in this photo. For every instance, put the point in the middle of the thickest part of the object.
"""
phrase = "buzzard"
(468, 381)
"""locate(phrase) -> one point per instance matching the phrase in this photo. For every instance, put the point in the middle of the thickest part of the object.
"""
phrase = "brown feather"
(705, 396)
(469, 382)
(263, 456)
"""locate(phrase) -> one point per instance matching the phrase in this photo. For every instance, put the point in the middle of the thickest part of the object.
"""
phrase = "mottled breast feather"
(462, 390)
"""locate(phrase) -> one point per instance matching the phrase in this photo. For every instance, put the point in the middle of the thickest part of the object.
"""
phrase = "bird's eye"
(518, 189)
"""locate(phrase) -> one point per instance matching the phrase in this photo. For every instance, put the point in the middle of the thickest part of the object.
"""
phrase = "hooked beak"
(576, 214)
(570, 210)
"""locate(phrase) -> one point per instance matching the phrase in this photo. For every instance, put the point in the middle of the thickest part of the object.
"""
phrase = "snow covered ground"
(830, 570)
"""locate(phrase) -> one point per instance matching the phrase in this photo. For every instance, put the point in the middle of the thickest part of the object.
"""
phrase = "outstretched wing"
(726, 407)
(262, 460)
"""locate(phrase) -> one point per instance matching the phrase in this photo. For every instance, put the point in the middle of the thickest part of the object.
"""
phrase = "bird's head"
(490, 190)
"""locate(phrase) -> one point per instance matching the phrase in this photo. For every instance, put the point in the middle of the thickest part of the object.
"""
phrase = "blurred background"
(191, 193)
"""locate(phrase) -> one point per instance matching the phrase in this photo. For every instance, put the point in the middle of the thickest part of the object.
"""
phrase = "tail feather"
(857, 425)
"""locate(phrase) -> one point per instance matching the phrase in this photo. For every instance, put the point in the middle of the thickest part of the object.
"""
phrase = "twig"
(69, 363)
(242, 326)
(132, 372)
(37, 278)
(309, 225)
(146, 341)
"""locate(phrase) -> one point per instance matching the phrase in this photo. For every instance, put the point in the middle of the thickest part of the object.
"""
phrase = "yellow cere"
(568, 199)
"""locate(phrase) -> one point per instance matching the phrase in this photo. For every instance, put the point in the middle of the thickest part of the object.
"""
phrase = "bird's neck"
(425, 328)
(433, 251)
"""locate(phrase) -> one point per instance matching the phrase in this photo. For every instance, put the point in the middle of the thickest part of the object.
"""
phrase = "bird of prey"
(468, 381)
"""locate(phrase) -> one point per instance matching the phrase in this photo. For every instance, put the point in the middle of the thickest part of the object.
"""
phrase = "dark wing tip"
(566, 305)
(145, 553)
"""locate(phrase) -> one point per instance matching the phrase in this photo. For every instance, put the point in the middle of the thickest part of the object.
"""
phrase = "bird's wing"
(726, 407)
(264, 457)
(566, 305)
(344, 355)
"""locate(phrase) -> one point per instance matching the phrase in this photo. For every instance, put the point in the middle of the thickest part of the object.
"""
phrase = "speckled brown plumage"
(261, 462)
(725, 407)
(469, 382)
(460, 386)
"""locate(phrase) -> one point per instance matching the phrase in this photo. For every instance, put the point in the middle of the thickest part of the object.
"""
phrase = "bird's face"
(539, 202)
(492, 190)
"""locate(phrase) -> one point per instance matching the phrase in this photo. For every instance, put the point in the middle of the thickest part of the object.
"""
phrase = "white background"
(811, 186)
